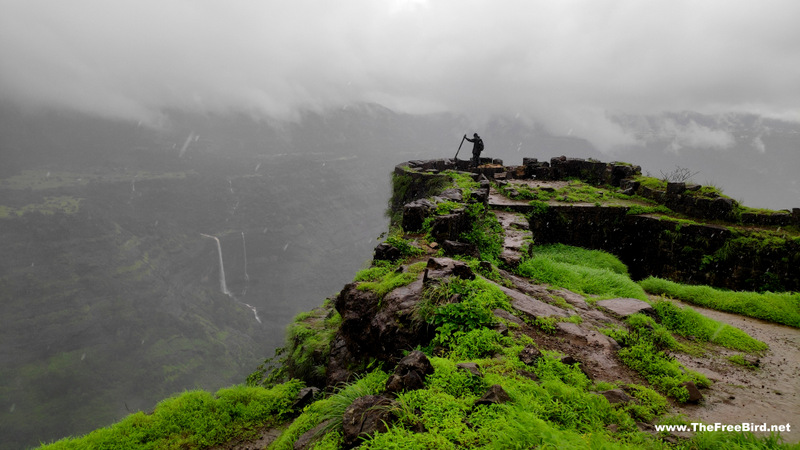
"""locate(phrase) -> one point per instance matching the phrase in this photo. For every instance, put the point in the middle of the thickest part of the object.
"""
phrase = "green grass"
(644, 345)
(783, 308)
(740, 360)
(331, 408)
(691, 324)
(384, 278)
(194, 420)
(597, 259)
(588, 272)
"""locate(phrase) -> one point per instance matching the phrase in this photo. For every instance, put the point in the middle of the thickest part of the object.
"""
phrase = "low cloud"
(563, 64)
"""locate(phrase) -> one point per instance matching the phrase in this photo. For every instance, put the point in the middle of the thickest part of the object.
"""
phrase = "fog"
(567, 65)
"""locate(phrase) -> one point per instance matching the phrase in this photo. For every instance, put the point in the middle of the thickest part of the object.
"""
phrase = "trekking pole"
(459, 146)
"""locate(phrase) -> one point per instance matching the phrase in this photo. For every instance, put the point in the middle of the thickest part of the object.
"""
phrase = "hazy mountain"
(110, 295)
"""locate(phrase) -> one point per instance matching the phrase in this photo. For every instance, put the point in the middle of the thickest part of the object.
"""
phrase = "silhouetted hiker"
(477, 148)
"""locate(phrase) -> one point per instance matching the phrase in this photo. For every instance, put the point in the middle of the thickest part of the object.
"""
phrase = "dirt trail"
(770, 394)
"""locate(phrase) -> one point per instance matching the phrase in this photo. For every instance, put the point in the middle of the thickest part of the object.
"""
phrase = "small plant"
(546, 324)
(740, 360)
(678, 175)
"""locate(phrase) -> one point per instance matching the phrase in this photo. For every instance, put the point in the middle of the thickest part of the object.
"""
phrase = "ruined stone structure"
(719, 250)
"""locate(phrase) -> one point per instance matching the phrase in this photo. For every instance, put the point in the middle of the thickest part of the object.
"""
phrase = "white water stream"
(222, 285)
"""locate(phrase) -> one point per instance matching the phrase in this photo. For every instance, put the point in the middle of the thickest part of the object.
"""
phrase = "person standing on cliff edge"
(477, 148)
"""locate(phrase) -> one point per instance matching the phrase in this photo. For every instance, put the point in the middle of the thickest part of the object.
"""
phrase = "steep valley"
(113, 305)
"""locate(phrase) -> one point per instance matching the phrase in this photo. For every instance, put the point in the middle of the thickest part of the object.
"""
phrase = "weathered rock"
(501, 328)
(304, 397)
(453, 248)
(503, 314)
(572, 298)
(380, 332)
(694, 394)
(579, 335)
(338, 362)
(616, 396)
(414, 214)
(449, 226)
(495, 394)
(470, 367)
(357, 309)
(534, 290)
(410, 373)
(675, 188)
(528, 374)
(481, 195)
(530, 306)
(452, 194)
(307, 439)
(364, 417)
(444, 267)
(387, 252)
(625, 307)
(529, 355)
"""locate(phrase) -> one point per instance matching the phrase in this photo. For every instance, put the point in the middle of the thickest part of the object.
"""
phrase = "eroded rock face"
(357, 308)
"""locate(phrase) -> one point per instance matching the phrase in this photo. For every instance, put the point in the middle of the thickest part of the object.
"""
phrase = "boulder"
(453, 248)
(387, 252)
(470, 367)
(694, 394)
(529, 355)
(495, 394)
(410, 373)
(438, 268)
(364, 417)
(304, 397)
(616, 396)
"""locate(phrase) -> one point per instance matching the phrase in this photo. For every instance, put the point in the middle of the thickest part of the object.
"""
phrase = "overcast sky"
(563, 63)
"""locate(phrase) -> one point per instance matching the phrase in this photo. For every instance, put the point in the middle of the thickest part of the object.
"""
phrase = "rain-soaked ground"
(769, 394)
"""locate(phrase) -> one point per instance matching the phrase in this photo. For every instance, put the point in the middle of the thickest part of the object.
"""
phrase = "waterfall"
(224, 287)
(186, 144)
(244, 250)
(246, 276)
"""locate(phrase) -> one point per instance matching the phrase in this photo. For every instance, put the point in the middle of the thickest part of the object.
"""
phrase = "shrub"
(194, 419)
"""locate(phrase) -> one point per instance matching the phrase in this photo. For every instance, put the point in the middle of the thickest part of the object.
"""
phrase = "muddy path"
(769, 394)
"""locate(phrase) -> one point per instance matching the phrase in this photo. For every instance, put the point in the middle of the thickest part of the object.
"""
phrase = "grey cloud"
(563, 64)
